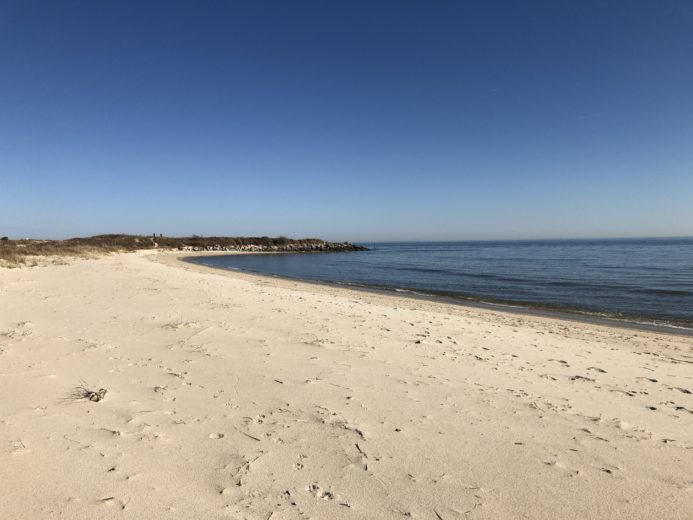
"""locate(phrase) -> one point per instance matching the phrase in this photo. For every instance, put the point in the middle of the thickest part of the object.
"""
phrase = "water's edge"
(521, 308)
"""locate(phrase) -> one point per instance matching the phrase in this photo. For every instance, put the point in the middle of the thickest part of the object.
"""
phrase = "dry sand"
(236, 396)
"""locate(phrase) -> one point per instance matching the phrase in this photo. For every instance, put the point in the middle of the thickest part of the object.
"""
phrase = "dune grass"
(18, 253)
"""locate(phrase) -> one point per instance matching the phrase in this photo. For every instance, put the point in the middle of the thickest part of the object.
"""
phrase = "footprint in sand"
(319, 492)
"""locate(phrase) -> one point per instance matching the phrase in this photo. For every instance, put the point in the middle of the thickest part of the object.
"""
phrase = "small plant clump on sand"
(82, 392)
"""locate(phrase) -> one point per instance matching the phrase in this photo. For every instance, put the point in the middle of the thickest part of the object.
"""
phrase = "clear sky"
(351, 120)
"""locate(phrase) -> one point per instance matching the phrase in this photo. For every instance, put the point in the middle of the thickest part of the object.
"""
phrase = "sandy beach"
(235, 396)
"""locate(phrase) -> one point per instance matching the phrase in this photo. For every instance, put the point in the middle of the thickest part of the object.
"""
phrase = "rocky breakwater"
(295, 247)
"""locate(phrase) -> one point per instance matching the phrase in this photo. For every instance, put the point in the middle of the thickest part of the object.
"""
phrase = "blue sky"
(360, 120)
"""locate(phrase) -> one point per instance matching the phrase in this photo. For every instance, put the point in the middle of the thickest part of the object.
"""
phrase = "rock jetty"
(297, 247)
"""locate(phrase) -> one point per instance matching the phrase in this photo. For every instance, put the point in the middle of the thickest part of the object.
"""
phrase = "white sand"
(234, 396)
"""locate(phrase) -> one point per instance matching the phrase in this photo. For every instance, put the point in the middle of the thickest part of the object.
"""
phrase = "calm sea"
(645, 280)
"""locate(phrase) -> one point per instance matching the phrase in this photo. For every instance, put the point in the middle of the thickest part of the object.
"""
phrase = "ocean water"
(648, 281)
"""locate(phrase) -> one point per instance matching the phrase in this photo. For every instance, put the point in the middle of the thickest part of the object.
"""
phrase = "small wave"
(417, 269)
(663, 324)
(668, 292)
(456, 273)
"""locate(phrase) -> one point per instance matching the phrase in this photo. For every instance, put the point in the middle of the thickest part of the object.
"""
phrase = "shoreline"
(574, 315)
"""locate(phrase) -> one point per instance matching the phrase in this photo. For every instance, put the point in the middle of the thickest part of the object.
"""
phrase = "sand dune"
(235, 396)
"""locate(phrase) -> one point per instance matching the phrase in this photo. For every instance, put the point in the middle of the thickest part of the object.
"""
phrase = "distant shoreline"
(14, 253)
